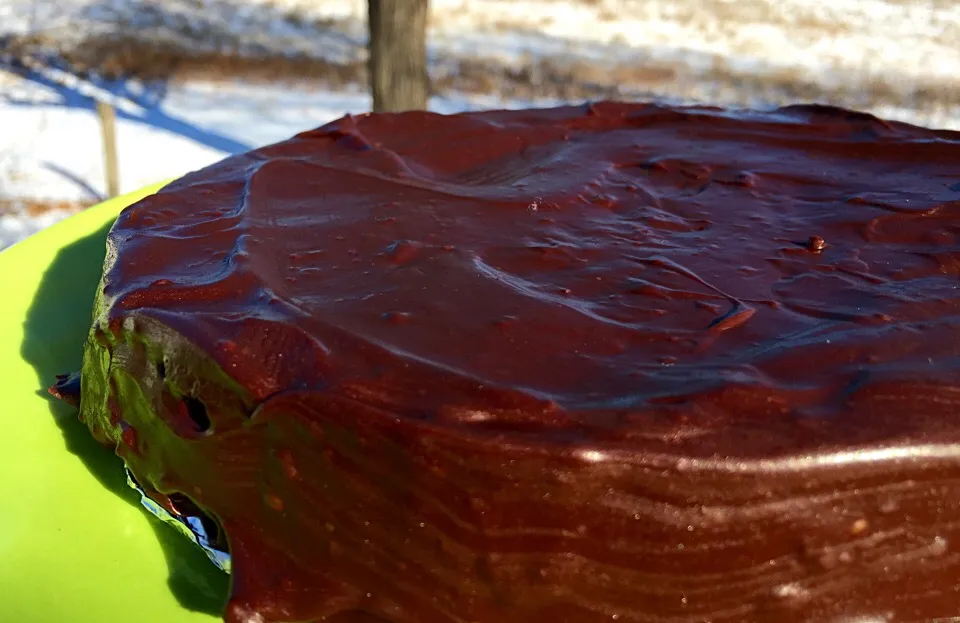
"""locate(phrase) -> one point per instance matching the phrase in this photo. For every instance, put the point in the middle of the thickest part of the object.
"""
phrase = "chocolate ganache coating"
(615, 362)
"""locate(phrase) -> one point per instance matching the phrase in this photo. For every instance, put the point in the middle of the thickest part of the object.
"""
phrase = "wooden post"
(398, 54)
(108, 130)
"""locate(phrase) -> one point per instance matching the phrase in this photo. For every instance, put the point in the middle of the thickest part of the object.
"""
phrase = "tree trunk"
(398, 54)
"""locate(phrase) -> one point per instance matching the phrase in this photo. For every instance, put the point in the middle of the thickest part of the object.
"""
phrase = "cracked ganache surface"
(609, 362)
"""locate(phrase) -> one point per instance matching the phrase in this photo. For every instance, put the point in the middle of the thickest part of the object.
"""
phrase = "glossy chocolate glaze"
(613, 362)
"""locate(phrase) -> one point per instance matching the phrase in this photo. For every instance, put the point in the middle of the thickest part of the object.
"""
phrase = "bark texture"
(398, 54)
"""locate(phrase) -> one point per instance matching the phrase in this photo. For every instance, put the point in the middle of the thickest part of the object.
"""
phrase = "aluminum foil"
(190, 527)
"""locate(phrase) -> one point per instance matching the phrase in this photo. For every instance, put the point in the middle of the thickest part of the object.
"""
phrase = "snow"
(19, 224)
(51, 149)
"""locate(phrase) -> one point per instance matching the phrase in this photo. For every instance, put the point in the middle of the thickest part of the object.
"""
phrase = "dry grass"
(36, 207)
(119, 57)
(562, 78)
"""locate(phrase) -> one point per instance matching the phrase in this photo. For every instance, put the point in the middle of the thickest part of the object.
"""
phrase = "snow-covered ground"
(18, 223)
(51, 147)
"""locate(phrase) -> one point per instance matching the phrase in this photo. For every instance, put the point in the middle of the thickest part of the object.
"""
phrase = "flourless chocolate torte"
(605, 363)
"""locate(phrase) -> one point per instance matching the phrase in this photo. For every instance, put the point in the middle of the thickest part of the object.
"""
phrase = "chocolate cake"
(604, 363)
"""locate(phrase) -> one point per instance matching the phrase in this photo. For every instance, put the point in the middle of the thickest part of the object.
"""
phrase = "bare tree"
(398, 54)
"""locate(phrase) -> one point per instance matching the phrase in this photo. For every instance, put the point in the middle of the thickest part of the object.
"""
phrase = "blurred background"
(106, 96)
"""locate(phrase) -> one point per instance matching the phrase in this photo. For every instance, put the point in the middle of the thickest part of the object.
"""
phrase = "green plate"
(75, 544)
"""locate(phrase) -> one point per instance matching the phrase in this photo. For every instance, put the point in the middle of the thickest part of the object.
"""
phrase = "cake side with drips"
(553, 365)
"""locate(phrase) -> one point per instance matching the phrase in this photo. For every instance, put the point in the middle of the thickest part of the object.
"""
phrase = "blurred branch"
(108, 131)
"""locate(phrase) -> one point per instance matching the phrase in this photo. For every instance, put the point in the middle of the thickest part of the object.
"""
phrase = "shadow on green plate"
(65, 300)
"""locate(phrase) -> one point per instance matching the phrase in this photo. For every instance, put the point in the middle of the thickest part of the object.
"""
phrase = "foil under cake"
(190, 527)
